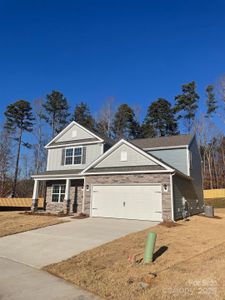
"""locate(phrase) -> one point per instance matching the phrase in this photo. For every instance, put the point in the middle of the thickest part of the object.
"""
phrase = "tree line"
(25, 126)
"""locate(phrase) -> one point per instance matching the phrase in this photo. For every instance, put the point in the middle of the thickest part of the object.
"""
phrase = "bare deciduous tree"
(105, 117)
(41, 138)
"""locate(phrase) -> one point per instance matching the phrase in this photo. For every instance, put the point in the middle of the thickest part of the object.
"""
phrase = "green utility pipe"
(149, 248)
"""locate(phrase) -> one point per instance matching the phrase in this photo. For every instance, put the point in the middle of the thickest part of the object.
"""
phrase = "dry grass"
(216, 202)
(15, 222)
(192, 267)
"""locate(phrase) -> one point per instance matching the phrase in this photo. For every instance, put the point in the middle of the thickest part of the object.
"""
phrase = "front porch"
(62, 195)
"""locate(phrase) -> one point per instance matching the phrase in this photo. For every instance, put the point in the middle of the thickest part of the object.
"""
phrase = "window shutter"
(84, 156)
(63, 157)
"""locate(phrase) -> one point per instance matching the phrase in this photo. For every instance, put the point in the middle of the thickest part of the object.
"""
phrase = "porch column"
(34, 206)
(67, 197)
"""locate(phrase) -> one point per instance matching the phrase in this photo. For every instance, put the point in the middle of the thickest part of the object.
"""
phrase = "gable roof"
(53, 141)
(165, 166)
(163, 142)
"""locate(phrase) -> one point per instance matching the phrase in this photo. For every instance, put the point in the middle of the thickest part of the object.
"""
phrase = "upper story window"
(73, 156)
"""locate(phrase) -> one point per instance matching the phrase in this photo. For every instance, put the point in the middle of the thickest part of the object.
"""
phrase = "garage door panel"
(141, 202)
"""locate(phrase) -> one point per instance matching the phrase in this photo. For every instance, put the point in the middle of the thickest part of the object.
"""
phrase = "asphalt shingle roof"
(167, 141)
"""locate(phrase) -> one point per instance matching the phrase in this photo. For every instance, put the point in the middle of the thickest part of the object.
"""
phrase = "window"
(123, 156)
(73, 156)
(58, 192)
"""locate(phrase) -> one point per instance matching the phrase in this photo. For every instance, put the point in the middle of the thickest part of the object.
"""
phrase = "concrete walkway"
(22, 255)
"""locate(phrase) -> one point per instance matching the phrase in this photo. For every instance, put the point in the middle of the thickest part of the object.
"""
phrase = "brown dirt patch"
(190, 264)
(15, 222)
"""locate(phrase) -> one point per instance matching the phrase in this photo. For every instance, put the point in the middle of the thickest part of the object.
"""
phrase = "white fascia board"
(164, 148)
(53, 177)
(122, 141)
(130, 172)
(68, 127)
(74, 144)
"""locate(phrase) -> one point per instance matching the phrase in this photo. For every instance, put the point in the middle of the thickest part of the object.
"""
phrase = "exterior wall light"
(165, 188)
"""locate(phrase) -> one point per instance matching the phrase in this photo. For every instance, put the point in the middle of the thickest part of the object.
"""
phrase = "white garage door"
(141, 202)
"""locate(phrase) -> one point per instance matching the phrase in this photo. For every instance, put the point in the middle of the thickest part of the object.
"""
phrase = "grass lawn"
(192, 267)
(15, 222)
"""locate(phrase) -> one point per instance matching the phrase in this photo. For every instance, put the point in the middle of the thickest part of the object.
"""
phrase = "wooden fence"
(215, 193)
(20, 202)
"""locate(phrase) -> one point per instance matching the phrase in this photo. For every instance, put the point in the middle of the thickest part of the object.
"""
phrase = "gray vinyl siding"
(190, 190)
(177, 158)
(184, 189)
(81, 134)
(93, 151)
(134, 158)
(196, 170)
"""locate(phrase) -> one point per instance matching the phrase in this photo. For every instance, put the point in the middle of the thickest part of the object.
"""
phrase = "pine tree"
(125, 124)
(56, 111)
(147, 131)
(6, 159)
(211, 102)
(160, 117)
(187, 104)
(19, 119)
(82, 115)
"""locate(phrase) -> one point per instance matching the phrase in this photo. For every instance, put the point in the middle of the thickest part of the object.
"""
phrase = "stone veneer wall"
(76, 197)
(162, 178)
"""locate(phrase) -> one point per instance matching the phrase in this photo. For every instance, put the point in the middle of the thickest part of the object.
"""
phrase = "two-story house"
(144, 179)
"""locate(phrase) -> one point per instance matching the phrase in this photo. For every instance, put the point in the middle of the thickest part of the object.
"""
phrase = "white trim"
(130, 172)
(48, 159)
(73, 144)
(188, 162)
(102, 146)
(164, 148)
(68, 127)
(54, 177)
(129, 183)
(122, 141)
(172, 195)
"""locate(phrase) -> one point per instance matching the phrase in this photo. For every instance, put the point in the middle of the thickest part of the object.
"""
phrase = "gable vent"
(123, 156)
(74, 133)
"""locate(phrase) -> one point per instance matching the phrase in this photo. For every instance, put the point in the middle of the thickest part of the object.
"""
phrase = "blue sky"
(135, 51)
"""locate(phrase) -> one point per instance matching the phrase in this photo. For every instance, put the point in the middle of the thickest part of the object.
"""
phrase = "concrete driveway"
(22, 255)
(51, 244)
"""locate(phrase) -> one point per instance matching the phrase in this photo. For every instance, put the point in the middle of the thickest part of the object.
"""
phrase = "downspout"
(84, 189)
(172, 195)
